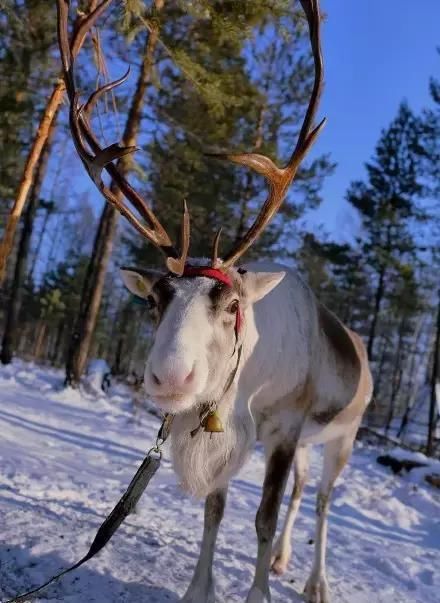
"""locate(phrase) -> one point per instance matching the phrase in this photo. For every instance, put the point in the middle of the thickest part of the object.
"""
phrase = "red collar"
(213, 273)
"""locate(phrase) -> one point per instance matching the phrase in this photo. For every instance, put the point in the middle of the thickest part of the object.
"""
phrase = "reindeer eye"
(233, 307)
(151, 302)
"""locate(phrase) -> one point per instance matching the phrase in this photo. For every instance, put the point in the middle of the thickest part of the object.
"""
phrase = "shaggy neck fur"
(208, 461)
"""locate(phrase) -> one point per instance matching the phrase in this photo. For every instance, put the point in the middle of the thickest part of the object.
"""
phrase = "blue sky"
(376, 53)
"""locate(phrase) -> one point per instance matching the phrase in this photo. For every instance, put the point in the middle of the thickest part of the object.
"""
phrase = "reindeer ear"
(259, 284)
(140, 282)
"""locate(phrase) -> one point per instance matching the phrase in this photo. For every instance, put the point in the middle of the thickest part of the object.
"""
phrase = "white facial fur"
(191, 357)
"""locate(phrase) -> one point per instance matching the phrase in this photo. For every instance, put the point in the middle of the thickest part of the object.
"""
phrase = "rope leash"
(124, 507)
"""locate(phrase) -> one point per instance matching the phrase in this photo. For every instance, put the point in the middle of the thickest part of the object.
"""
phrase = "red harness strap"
(213, 273)
(219, 276)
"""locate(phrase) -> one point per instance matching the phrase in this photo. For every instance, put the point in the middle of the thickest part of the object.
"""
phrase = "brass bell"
(213, 424)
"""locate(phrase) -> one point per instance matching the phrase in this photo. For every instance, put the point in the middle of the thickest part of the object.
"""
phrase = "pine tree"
(338, 275)
(388, 203)
(242, 83)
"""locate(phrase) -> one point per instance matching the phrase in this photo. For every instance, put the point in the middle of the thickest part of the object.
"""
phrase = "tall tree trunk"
(16, 295)
(91, 297)
(380, 292)
(49, 209)
(410, 373)
(435, 377)
(34, 260)
(41, 334)
(377, 303)
(374, 411)
(27, 179)
(94, 282)
(396, 377)
(116, 369)
(57, 343)
(33, 158)
(57, 237)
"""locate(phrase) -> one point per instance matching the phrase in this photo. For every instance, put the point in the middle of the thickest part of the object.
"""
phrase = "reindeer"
(246, 352)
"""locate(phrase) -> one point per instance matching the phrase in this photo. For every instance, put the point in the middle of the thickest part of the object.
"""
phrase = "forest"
(206, 77)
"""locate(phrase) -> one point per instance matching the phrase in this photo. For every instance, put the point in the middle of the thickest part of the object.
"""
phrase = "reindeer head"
(197, 310)
(200, 325)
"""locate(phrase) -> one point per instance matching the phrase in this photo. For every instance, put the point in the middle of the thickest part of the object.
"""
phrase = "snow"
(66, 457)
(97, 375)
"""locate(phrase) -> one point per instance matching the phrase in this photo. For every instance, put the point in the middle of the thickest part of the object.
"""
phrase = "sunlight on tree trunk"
(26, 182)
(27, 179)
(15, 298)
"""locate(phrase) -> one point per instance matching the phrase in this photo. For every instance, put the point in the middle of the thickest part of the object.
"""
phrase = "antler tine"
(279, 179)
(214, 261)
(103, 159)
(95, 96)
(96, 158)
(86, 25)
(177, 265)
(63, 35)
(313, 14)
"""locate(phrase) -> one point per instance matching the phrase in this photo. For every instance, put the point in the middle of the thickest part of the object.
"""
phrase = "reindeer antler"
(95, 158)
(280, 179)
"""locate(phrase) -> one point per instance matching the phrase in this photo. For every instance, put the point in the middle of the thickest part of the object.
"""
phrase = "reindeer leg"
(336, 455)
(201, 589)
(277, 472)
(282, 550)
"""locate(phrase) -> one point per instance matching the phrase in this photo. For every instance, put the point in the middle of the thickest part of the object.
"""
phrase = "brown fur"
(326, 416)
(365, 385)
(338, 338)
(349, 366)
(163, 293)
(275, 480)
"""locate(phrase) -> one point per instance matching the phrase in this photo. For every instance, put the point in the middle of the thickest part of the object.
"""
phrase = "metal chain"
(162, 436)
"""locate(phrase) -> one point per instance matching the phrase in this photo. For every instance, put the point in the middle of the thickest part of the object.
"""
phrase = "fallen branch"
(397, 465)
(388, 439)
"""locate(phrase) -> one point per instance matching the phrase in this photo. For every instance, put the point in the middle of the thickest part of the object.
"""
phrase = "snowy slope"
(66, 459)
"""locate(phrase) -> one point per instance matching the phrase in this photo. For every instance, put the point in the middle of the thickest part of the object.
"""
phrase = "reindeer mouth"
(168, 397)
(174, 403)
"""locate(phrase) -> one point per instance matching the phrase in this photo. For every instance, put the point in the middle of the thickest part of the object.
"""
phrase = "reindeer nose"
(173, 378)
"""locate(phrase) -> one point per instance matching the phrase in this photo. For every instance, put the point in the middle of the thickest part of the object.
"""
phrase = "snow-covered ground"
(65, 459)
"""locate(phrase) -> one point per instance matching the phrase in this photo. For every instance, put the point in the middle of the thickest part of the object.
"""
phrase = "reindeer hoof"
(316, 590)
(280, 559)
(279, 565)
